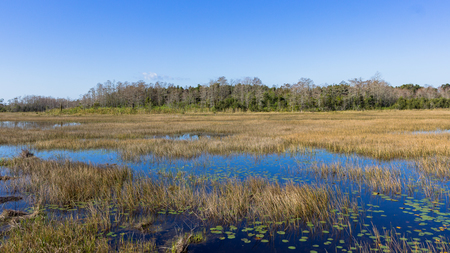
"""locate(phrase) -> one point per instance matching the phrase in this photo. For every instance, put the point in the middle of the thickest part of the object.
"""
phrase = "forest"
(248, 94)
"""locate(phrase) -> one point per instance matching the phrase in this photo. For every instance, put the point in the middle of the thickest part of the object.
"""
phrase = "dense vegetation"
(249, 94)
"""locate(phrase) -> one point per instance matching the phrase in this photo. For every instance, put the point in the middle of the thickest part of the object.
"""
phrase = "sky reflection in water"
(45, 125)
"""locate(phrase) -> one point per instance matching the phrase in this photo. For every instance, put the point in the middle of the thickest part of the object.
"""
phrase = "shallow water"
(36, 124)
(188, 137)
(21, 205)
(438, 131)
(410, 213)
(275, 166)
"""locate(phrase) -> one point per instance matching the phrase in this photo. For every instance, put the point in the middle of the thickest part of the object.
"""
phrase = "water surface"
(42, 125)
(188, 136)
(438, 131)
(236, 165)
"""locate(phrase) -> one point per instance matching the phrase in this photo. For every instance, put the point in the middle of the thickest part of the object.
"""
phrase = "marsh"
(272, 181)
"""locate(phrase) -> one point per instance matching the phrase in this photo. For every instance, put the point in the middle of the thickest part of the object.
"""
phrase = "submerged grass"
(392, 241)
(436, 167)
(379, 179)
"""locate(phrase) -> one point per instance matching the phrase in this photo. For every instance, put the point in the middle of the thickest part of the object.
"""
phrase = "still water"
(36, 124)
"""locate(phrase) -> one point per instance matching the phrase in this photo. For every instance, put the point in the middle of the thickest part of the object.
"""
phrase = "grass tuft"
(66, 182)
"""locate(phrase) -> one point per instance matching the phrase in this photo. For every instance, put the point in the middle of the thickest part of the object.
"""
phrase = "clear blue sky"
(63, 48)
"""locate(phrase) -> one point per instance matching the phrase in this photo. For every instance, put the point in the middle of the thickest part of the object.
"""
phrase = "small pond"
(188, 137)
(36, 124)
(438, 131)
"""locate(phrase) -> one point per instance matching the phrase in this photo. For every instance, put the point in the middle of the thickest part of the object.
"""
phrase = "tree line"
(33, 103)
(248, 94)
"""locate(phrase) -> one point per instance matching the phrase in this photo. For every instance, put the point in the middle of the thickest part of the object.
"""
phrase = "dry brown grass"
(380, 134)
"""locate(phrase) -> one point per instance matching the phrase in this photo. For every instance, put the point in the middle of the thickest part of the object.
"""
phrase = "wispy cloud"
(155, 77)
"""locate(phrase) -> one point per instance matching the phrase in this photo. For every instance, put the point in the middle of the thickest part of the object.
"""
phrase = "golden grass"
(379, 134)
(39, 235)
(137, 198)
(437, 167)
(379, 179)
(65, 182)
(391, 241)
(232, 200)
(69, 235)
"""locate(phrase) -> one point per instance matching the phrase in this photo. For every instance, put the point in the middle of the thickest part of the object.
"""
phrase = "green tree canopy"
(411, 87)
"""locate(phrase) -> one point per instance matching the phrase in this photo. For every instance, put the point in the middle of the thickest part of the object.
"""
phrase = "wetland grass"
(378, 134)
(112, 195)
(181, 242)
(40, 235)
(65, 182)
(69, 235)
(103, 188)
(230, 200)
(258, 199)
(379, 179)
(437, 167)
(392, 241)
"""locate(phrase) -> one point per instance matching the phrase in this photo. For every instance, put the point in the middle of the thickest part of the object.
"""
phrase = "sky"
(64, 48)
